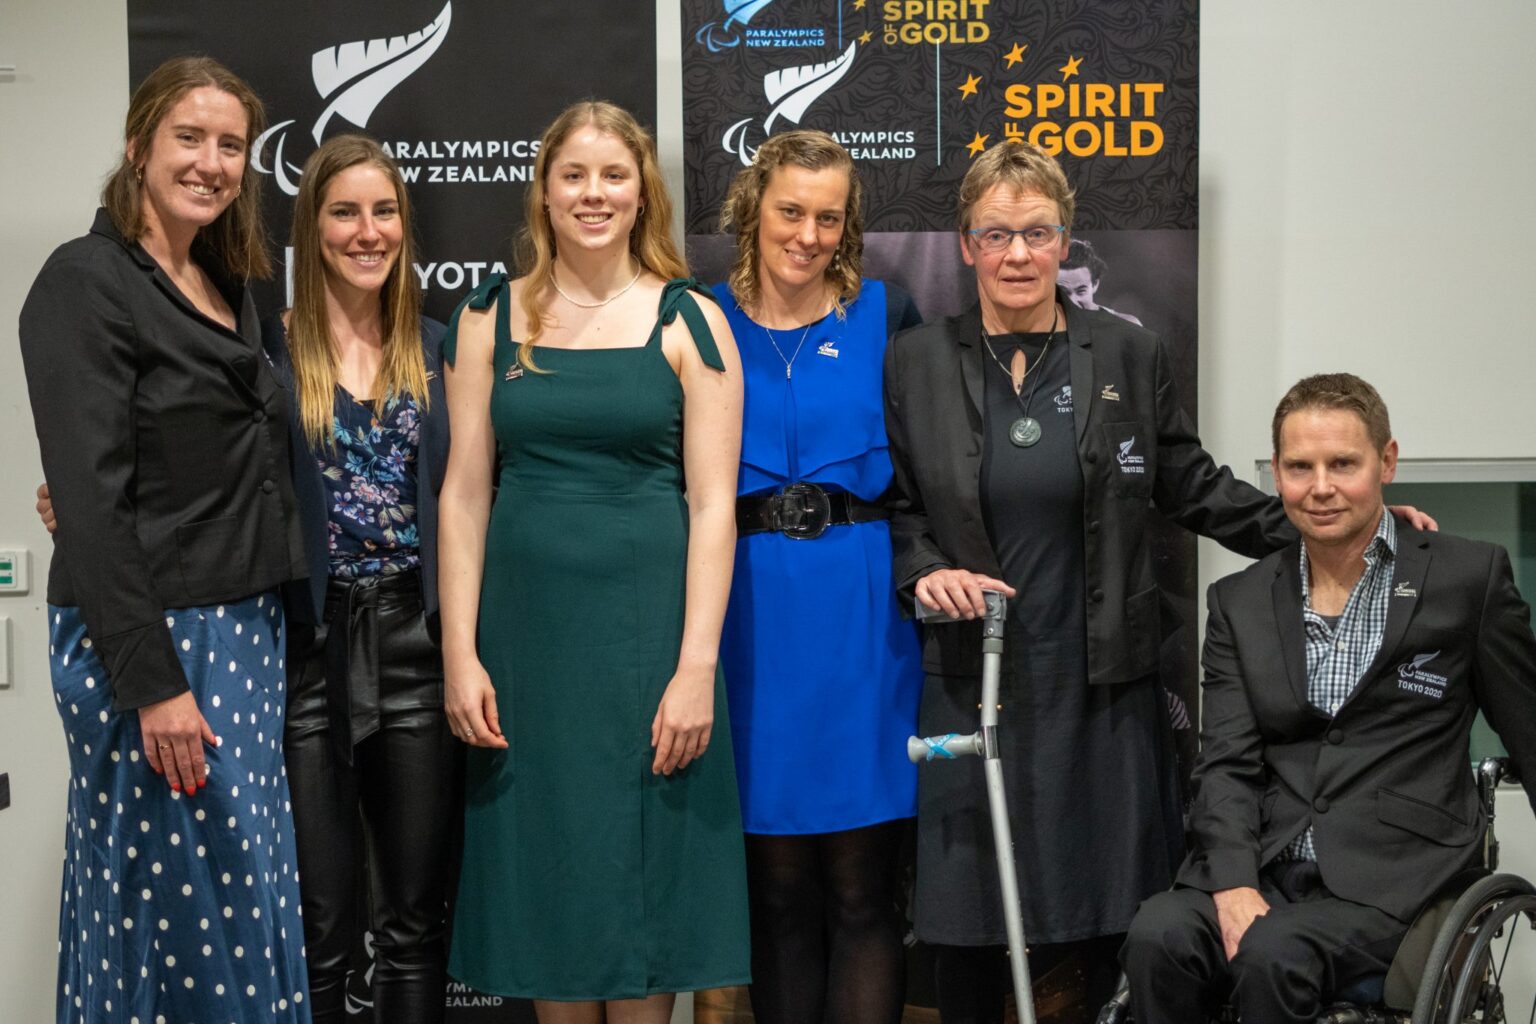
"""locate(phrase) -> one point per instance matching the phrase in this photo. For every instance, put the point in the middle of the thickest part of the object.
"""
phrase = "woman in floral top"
(371, 762)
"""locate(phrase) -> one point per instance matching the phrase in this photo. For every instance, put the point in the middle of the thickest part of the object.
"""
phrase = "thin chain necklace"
(1024, 432)
(789, 364)
(593, 305)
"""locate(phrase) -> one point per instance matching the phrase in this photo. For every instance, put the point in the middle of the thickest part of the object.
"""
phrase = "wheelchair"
(1452, 965)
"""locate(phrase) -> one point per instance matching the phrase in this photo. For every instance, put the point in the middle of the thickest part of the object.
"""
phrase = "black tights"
(826, 926)
(1077, 978)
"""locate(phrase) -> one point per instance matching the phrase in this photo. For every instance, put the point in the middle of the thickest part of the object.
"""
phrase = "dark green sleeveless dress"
(585, 876)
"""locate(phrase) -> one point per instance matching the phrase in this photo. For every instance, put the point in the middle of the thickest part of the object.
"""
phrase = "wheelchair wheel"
(1464, 972)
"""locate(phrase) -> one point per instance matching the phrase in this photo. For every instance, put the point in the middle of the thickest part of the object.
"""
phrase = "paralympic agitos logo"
(354, 78)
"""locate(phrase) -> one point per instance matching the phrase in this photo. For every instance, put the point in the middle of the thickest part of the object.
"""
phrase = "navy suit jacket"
(306, 602)
(1386, 783)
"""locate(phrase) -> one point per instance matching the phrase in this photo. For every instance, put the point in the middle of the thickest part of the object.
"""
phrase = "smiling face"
(1017, 285)
(800, 225)
(592, 192)
(360, 228)
(195, 161)
(1330, 476)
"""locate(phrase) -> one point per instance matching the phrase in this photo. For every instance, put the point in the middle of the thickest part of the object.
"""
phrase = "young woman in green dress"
(583, 597)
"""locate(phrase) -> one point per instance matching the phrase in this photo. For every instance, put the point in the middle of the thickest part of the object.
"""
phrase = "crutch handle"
(948, 747)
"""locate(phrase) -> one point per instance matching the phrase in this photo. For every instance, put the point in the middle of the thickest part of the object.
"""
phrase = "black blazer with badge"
(1386, 783)
(164, 437)
(305, 599)
(1136, 448)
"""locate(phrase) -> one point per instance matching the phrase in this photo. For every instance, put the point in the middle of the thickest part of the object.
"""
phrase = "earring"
(239, 189)
(138, 174)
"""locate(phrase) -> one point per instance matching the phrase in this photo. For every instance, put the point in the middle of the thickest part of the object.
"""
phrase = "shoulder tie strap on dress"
(480, 298)
(676, 298)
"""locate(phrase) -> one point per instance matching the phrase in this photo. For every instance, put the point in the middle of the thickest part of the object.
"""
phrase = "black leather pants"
(375, 792)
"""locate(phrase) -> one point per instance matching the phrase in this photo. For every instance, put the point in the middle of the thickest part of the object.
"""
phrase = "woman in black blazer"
(372, 766)
(371, 761)
(164, 433)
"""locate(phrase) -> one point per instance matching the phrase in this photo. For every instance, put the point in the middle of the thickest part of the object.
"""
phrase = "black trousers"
(374, 787)
(1289, 963)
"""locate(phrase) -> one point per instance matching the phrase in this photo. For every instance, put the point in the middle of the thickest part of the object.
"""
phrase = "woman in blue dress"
(164, 438)
(823, 675)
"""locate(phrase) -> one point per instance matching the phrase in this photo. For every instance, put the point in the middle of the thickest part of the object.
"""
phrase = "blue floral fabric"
(370, 480)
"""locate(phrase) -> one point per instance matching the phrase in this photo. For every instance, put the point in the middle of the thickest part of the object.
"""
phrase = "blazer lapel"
(1080, 335)
(1410, 568)
(969, 351)
(1286, 594)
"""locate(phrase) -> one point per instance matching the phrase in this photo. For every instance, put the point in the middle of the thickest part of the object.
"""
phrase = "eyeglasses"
(1041, 236)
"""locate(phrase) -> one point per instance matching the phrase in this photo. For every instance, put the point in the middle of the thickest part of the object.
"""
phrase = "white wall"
(1333, 137)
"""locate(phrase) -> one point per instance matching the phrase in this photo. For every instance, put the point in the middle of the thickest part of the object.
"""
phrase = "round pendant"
(1025, 431)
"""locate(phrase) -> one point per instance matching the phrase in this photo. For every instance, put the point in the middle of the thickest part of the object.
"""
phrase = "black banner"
(458, 94)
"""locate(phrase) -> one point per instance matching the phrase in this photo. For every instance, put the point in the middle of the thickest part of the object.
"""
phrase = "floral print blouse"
(370, 479)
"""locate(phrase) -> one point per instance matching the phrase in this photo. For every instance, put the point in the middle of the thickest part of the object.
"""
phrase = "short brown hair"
(743, 210)
(1336, 391)
(237, 237)
(1027, 168)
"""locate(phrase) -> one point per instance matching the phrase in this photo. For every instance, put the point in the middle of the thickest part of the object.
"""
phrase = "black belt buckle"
(802, 511)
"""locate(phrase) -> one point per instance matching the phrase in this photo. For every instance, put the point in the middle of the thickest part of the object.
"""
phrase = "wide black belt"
(803, 511)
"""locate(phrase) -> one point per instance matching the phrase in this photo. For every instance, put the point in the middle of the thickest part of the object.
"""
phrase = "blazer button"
(1335, 736)
(1092, 456)
(1320, 805)
(267, 487)
(1093, 527)
(258, 416)
(1097, 595)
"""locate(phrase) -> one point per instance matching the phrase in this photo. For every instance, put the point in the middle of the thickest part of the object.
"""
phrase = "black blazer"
(164, 444)
(1124, 410)
(306, 600)
(1386, 783)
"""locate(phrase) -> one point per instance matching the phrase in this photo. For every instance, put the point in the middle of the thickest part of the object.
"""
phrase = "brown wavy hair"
(743, 209)
(238, 237)
(311, 345)
(650, 240)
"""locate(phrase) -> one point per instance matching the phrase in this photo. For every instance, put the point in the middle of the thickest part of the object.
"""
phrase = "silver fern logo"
(354, 77)
(790, 93)
(718, 36)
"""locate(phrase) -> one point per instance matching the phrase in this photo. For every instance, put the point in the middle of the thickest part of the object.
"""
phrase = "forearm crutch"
(983, 744)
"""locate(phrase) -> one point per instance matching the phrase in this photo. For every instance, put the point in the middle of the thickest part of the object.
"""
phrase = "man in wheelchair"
(1333, 796)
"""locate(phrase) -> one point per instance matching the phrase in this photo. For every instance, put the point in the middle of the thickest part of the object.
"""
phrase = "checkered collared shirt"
(1338, 656)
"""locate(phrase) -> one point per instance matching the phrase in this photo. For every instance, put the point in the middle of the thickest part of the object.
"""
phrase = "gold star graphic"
(864, 38)
(969, 88)
(858, 5)
(1016, 54)
(978, 144)
(1070, 67)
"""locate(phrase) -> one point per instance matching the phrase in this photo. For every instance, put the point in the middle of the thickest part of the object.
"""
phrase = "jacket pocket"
(1423, 819)
(1130, 445)
(211, 557)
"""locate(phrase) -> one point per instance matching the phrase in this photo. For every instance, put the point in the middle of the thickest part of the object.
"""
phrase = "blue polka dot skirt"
(177, 909)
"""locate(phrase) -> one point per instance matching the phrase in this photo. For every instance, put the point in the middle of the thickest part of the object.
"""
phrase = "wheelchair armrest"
(1118, 1009)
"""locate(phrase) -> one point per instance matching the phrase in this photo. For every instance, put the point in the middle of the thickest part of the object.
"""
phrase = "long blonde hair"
(743, 211)
(311, 346)
(237, 236)
(650, 240)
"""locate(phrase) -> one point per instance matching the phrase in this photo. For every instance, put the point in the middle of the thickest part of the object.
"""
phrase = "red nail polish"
(176, 786)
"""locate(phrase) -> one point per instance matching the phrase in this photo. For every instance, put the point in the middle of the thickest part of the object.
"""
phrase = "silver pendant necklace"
(594, 305)
(789, 364)
(1024, 432)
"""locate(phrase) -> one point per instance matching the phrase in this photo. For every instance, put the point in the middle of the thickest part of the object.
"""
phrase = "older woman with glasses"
(1032, 441)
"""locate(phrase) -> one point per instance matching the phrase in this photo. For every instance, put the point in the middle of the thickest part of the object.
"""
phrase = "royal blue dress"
(822, 672)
